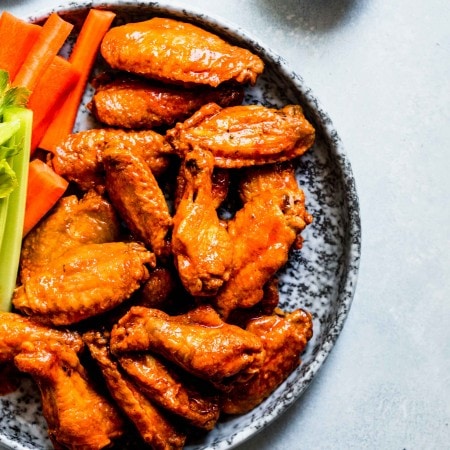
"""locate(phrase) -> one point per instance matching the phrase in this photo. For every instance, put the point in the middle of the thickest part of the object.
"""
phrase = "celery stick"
(3, 216)
(8, 129)
(12, 237)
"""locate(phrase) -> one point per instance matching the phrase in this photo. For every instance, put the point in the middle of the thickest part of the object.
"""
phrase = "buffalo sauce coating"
(178, 52)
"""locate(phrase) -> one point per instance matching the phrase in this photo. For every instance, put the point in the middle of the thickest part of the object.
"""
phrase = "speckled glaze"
(320, 278)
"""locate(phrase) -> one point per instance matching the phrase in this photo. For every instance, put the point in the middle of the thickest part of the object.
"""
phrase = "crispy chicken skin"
(77, 415)
(79, 157)
(280, 180)
(178, 52)
(137, 103)
(265, 307)
(72, 223)
(136, 195)
(17, 331)
(83, 282)
(262, 233)
(160, 288)
(147, 303)
(220, 181)
(220, 184)
(200, 244)
(244, 135)
(152, 424)
(198, 341)
(274, 177)
(284, 338)
(174, 391)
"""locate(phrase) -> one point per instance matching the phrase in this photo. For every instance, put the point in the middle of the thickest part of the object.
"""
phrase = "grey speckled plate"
(320, 278)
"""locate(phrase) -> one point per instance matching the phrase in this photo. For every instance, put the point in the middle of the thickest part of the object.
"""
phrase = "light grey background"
(381, 69)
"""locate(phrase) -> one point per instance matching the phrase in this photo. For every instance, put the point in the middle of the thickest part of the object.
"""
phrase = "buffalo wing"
(198, 341)
(152, 424)
(72, 223)
(284, 337)
(245, 135)
(200, 244)
(17, 331)
(79, 157)
(262, 234)
(178, 52)
(136, 103)
(77, 414)
(83, 282)
(136, 195)
(174, 391)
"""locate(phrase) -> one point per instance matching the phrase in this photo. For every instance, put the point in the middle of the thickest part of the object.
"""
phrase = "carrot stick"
(45, 188)
(48, 96)
(17, 38)
(82, 57)
(53, 34)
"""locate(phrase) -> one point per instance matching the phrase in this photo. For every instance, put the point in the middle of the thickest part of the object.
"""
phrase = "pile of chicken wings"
(147, 299)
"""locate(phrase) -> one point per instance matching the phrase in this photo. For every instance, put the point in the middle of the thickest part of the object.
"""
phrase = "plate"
(320, 278)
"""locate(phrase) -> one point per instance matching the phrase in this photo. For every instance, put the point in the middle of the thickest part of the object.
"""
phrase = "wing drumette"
(200, 244)
(198, 341)
(77, 415)
(151, 423)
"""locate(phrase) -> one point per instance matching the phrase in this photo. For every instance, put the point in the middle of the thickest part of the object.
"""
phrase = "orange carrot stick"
(17, 38)
(45, 188)
(82, 57)
(48, 96)
(53, 34)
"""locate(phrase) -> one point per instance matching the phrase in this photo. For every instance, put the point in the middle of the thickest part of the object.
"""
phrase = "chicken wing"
(137, 103)
(9, 378)
(284, 338)
(280, 181)
(200, 244)
(244, 135)
(277, 178)
(71, 223)
(178, 52)
(17, 332)
(136, 195)
(159, 290)
(265, 307)
(79, 157)
(83, 282)
(152, 424)
(198, 341)
(174, 391)
(77, 415)
(262, 233)
(220, 184)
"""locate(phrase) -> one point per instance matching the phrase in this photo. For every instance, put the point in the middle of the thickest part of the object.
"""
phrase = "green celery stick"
(11, 242)
(3, 216)
(8, 129)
